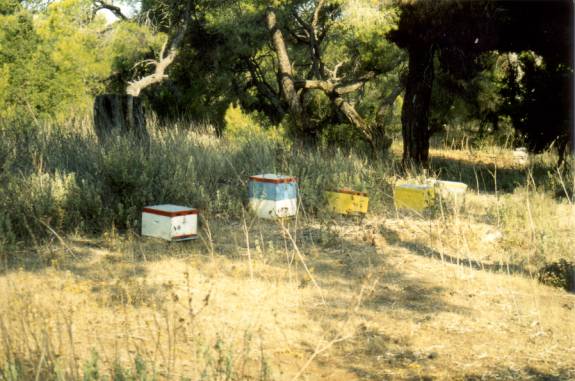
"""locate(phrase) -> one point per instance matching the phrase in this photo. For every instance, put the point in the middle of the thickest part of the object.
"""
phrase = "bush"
(558, 274)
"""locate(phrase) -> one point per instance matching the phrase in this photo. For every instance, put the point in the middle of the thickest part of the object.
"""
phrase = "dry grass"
(388, 305)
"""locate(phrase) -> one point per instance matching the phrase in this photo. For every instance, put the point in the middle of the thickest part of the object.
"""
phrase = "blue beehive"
(273, 195)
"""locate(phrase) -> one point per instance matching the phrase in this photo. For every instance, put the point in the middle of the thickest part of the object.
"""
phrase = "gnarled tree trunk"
(119, 114)
(415, 112)
(125, 113)
(286, 79)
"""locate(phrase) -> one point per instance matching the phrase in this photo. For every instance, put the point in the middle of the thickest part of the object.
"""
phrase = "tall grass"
(58, 179)
(61, 177)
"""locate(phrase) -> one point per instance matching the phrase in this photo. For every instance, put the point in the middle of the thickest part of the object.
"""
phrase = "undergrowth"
(63, 179)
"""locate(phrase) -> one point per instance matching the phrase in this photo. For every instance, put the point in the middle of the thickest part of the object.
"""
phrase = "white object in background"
(492, 236)
(170, 222)
(453, 192)
(520, 156)
(450, 193)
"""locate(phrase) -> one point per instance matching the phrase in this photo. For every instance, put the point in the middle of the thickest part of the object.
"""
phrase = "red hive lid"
(169, 210)
(349, 191)
(274, 179)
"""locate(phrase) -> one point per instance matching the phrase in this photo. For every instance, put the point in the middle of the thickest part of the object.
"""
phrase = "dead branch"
(116, 10)
(315, 18)
(165, 59)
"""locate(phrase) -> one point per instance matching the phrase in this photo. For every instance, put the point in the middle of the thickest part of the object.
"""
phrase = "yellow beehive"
(347, 201)
(417, 197)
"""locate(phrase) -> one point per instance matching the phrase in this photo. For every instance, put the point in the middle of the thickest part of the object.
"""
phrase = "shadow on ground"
(484, 177)
(528, 373)
(425, 251)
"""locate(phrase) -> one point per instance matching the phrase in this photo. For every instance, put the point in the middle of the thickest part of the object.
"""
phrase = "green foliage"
(242, 128)
(9, 6)
(52, 63)
(17, 47)
(343, 137)
(361, 32)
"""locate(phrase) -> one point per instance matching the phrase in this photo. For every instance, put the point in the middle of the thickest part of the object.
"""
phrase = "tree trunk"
(381, 141)
(119, 114)
(415, 112)
(286, 80)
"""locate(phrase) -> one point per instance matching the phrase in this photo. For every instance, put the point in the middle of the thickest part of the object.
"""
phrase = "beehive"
(272, 196)
(452, 193)
(416, 197)
(520, 156)
(170, 222)
(347, 201)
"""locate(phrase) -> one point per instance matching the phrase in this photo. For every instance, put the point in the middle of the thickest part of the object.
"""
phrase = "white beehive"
(273, 196)
(170, 222)
(520, 156)
(452, 193)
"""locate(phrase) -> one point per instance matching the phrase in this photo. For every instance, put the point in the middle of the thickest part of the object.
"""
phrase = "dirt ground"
(375, 299)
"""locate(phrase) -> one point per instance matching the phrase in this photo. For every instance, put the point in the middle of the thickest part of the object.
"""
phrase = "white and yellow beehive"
(417, 197)
(170, 222)
(346, 201)
(451, 193)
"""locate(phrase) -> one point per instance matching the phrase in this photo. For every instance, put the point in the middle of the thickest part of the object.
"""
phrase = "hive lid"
(170, 210)
(451, 184)
(350, 191)
(415, 186)
(273, 178)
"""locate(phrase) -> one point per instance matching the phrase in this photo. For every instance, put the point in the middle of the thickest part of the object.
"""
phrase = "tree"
(112, 111)
(458, 33)
(314, 66)
(51, 62)
(315, 24)
(286, 76)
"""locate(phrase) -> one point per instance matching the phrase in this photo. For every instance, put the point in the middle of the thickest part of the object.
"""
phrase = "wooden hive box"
(170, 222)
(416, 197)
(272, 196)
(346, 201)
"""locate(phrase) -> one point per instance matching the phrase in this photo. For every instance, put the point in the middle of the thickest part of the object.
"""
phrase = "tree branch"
(335, 87)
(333, 73)
(165, 59)
(116, 10)
(350, 87)
(327, 87)
(315, 18)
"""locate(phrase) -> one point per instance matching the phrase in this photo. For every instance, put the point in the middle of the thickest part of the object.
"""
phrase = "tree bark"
(381, 141)
(286, 80)
(119, 114)
(415, 112)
